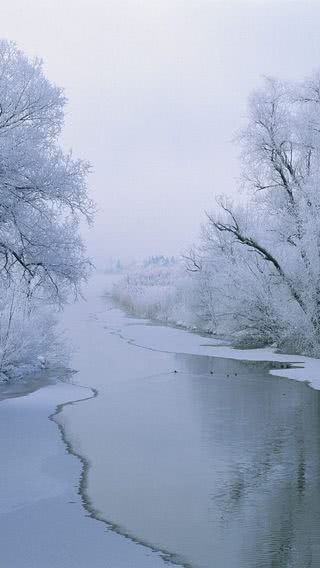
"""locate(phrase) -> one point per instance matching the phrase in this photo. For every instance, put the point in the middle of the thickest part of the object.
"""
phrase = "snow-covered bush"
(28, 337)
(159, 290)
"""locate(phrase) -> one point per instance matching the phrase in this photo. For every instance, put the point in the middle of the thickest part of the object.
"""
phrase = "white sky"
(157, 90)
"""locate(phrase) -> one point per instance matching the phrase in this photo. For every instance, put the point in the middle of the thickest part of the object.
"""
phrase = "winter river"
(201, 461)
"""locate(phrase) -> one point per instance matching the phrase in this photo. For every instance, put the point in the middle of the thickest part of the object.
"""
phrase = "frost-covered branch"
(43, 191)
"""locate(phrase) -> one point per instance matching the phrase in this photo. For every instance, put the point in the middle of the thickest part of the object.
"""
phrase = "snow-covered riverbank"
(176, 340)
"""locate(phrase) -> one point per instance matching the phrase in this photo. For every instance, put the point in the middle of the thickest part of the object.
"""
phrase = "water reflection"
(263, 437)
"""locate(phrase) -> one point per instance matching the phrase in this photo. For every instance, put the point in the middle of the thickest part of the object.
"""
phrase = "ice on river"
(42, 520)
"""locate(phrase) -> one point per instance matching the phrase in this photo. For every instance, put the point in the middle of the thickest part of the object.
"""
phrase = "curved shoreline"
(94, 513)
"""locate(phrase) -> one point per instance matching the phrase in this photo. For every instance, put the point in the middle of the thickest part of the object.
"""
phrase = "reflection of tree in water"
(262, 433)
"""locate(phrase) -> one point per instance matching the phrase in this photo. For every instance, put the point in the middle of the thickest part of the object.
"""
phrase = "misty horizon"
(156, 93)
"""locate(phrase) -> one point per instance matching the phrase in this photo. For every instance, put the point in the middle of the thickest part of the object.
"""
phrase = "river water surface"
(213, 461)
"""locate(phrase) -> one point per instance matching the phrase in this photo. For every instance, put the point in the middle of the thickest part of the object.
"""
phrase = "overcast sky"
(157, 89)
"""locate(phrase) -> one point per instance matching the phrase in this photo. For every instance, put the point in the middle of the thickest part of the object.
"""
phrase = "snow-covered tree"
(256, 272)
(264, 257)
(42, 189)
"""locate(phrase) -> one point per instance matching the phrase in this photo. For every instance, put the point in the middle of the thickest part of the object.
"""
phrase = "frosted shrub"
(158, 292)
(28, 340)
